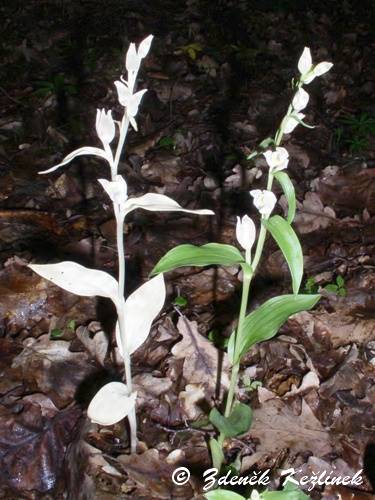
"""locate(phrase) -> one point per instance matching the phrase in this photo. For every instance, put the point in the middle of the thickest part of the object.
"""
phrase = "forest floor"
(219, 77)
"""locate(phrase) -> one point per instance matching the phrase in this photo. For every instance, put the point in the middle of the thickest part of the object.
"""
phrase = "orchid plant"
(263, 323)
(116, 400)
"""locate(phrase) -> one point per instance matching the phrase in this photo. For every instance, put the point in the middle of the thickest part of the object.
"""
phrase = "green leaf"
(289, 244)
(331, 287)
(230, 348)
(217, 454)
(180, 301)
(290, 194)
(340, 281)
(191, 255)
(223, 495)
(238, 422)
(56, 333)
(263, 323)
(71, 325)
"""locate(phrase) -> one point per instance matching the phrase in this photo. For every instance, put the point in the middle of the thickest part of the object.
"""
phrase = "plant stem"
(123, 132)
(235, 369)
(247, 277)
(121, 286)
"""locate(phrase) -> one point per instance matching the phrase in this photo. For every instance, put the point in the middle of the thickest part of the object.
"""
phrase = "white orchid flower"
(105, 126)
(129, 100)
(290, 122)
(308, 70)
(277, 160)
(305, 61)
(117, 190)
(245, 232)
(300, 100)
(132, 60)
(264, 201)
(134, 57)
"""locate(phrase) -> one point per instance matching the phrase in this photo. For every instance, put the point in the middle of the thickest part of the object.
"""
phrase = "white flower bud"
(277, 160)
(144, 46)
(127, 99)
(307, 70)
(132, 61)
(105, 126)
(290, 123)
(117, 190)
(305, 61)
(245, 232)
(264, 201)
(300, 100)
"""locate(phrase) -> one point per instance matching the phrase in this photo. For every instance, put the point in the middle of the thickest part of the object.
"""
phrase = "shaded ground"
(218, 78)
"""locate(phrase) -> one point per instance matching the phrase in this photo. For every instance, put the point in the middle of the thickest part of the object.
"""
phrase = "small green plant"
(180, 301)
(338, 287)
(355, 131)
(116, 400)
(167, 142)
(263, 323)
(311, 286)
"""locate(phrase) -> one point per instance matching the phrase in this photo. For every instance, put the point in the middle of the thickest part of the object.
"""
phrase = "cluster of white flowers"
(308, 72)
(278, 159)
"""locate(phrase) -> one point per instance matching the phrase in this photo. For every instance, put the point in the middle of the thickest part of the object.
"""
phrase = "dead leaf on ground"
(277, 427)
(313, 215)
(32, 447)
(49, 367)
(203, 362)
(153, 477)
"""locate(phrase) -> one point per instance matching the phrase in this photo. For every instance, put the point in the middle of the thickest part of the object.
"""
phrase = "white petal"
(144, 46)
(132, 61)
(111, 404)
(245, 232)
(105, 126)
(141, 308)
(133, 123)
(264, 201)
(134, 101)
(300, 100)
(305, 61)
(117, 189)
(159, 203)
(123, 92)
(290, 123)
(78, 279)
(277, 160)
(322, 68)
(87, 150)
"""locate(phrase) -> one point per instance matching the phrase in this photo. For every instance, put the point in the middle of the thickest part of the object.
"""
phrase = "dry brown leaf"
(49, 367)
(97, 344)
(203, 362)
(276, 427)
(313, 215)
(153, 476)
(340, 329)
